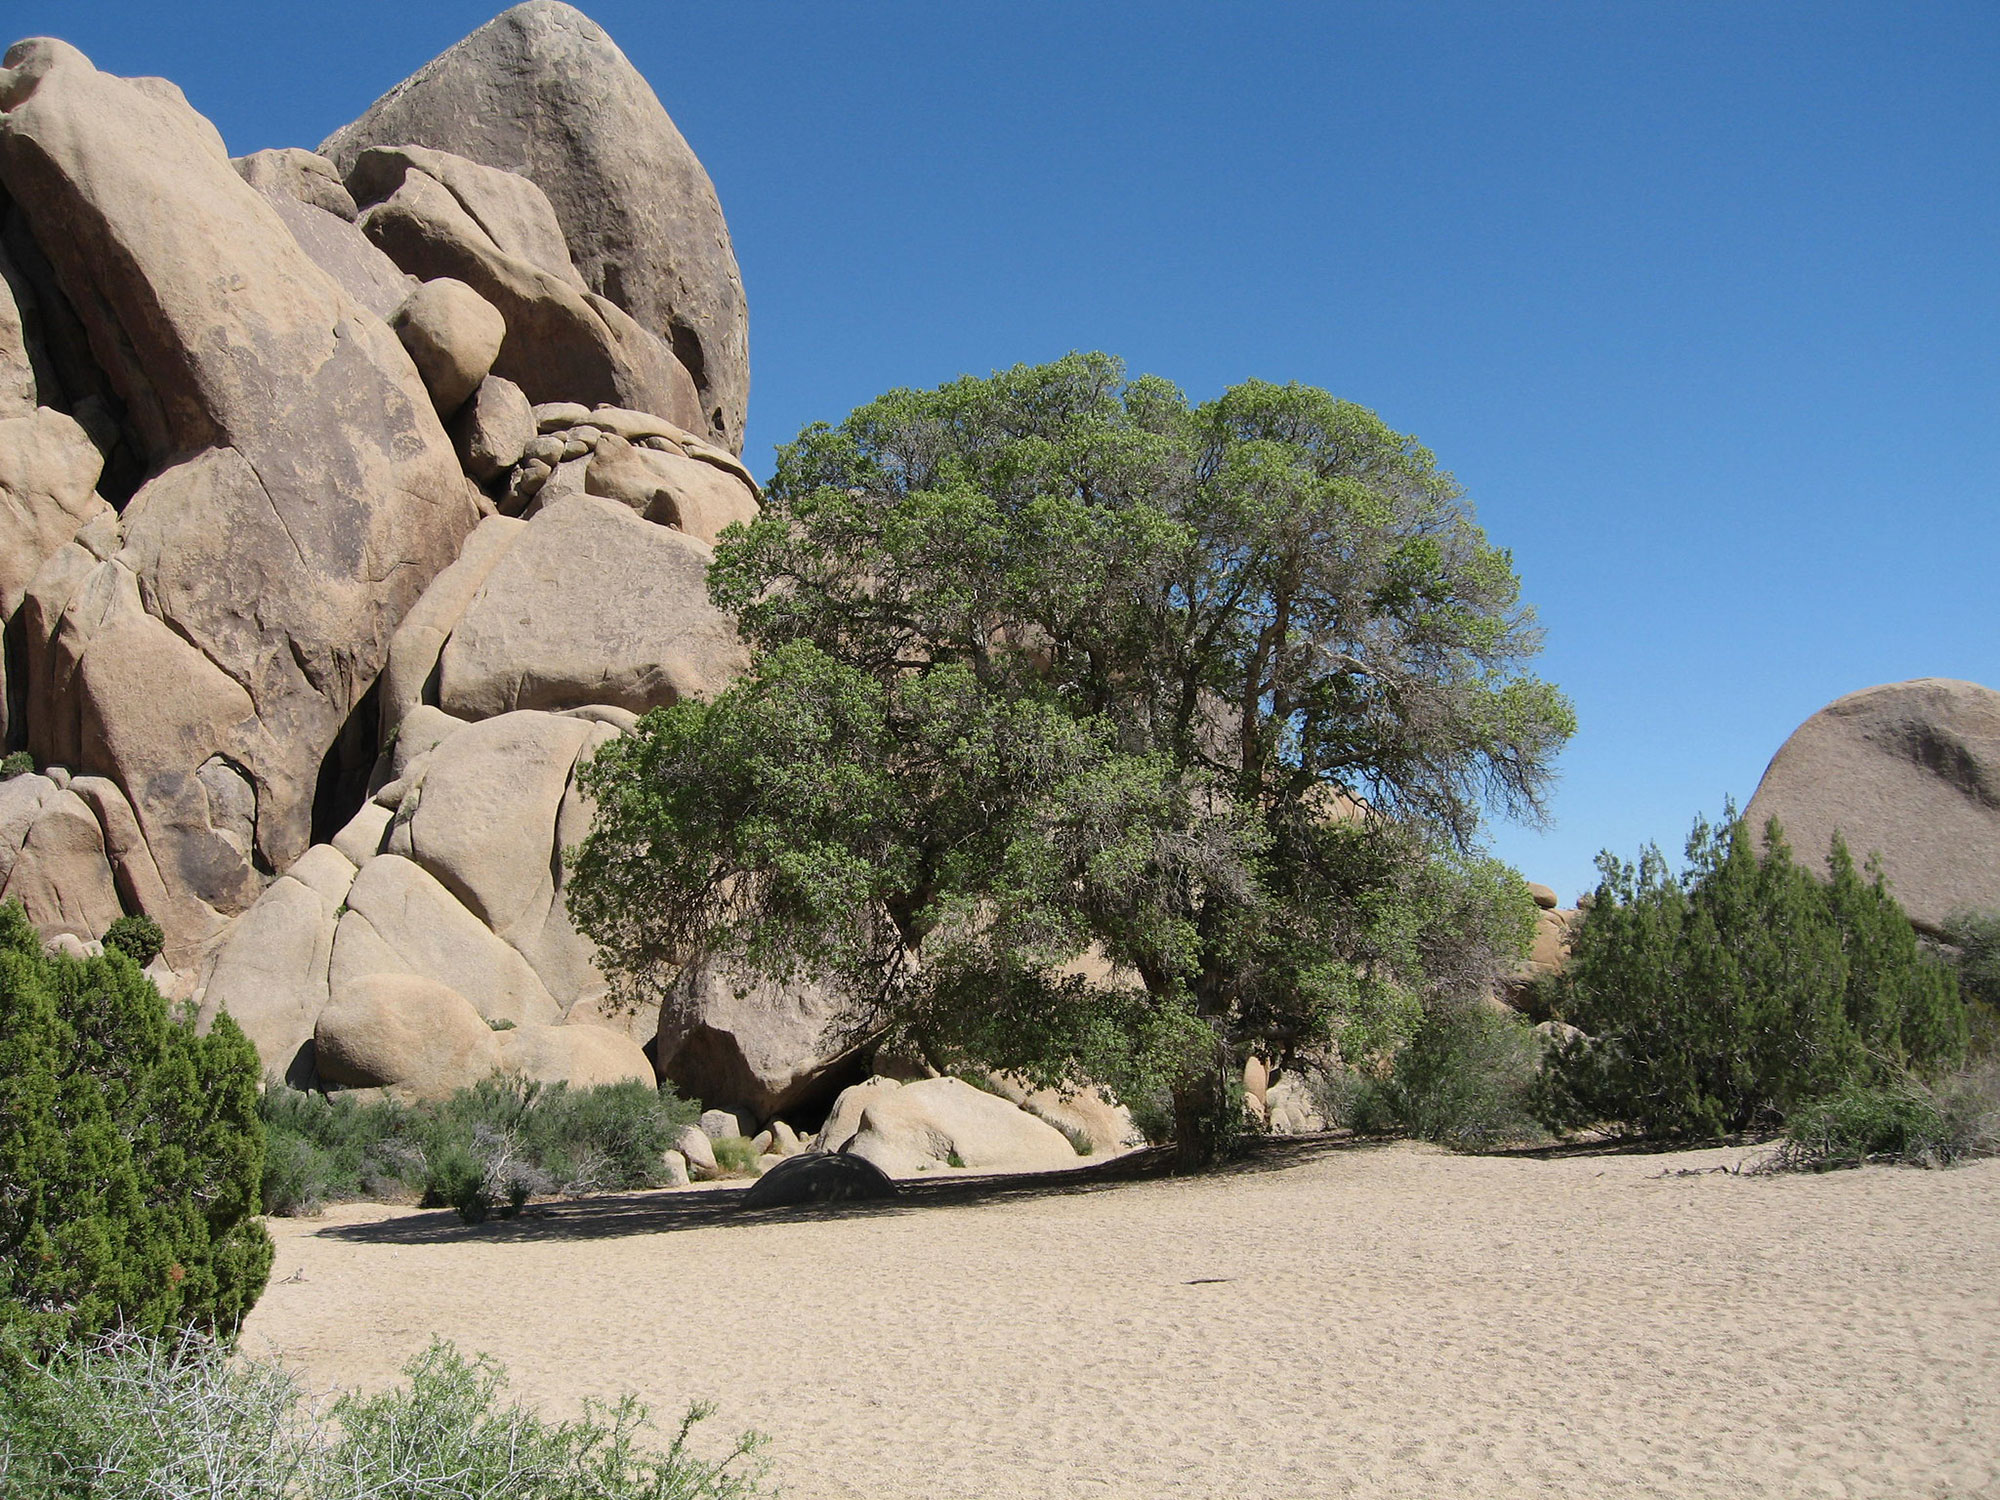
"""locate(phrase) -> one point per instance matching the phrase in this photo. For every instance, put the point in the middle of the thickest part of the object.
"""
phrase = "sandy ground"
(1337, 1320)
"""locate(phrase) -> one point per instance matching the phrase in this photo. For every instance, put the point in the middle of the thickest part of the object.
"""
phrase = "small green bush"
(1727, 996)
(1466, 1080)
(18, 763)
(1975, 938)
(735, 1156)
(127, 1417)
(1858, 1125)
(138, 937)
(130, 1153)
(1907, 1122)
(494, 1144)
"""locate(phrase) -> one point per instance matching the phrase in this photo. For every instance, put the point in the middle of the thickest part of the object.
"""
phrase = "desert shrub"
(1078, 1138)
(298, 1176)
(322, 1148)
(1900, 1123)
(1974, 937)
(607, 1137)
(1907, 1121)
(130, 1152)
(138, 937)
(17, 763)
(128, 1417)
(1465, 1079)
(735, 1156)
(1153, 1112)
(485, 1149)
(1727, 996)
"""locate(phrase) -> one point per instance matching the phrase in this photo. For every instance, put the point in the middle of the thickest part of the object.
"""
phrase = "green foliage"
(1974, 937)
(1055, 664)
(485, 1149)
(136, 1418)
(139, 938)
(1466, 1079)
(130, 1152)
(1726, 996)
(1861, 1124)
(735, 1156)
(1904, 1121)
(16, 763)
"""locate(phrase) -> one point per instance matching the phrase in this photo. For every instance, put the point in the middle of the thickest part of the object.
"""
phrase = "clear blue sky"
(1700, 302)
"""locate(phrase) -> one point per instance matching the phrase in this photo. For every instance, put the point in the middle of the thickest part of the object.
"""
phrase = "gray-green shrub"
(1906, 1121)
(128, 1417)
(483, 1150)
(736, 1156)
(1465, 1079)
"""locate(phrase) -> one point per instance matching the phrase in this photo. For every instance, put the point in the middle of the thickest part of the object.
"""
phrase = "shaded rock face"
(751, 1045)
(1909, 771)
(292, 458)
(542, 91)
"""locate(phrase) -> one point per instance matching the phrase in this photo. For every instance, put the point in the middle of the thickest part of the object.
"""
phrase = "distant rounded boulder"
(1909, 771)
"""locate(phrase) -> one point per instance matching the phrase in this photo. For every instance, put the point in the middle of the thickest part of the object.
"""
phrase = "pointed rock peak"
(543, 92)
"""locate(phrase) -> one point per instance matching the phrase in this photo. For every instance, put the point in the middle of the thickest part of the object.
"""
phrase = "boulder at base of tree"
(918, 1127)
(819, 1177)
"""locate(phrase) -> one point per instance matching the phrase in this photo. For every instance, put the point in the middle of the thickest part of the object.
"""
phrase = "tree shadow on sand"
(666, 1210)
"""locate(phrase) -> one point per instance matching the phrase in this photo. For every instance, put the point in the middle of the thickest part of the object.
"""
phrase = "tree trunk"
(1208, 1114)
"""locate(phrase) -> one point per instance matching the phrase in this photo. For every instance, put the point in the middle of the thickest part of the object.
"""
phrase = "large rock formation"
(541, 91)
(1909, 771)
(283, 451)
(754, 1045)
(241, 563)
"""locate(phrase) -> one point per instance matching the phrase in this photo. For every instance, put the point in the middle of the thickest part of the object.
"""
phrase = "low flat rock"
(919, 1127)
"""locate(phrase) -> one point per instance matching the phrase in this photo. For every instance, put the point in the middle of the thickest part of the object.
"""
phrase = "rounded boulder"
(1909, 771)
(403, 1032)
(453, 336)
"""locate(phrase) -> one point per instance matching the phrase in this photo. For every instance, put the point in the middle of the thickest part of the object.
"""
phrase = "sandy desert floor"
(1331, 1320)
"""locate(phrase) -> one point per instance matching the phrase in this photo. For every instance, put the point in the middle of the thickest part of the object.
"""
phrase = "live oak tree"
(1094, 733)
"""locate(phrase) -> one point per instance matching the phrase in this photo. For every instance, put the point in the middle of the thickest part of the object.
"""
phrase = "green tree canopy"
(1055, 664)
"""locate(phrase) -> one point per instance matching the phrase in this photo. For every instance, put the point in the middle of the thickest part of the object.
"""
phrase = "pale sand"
(1389, 1321)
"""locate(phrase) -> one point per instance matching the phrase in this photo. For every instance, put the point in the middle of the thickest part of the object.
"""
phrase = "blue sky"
(1700, 302)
